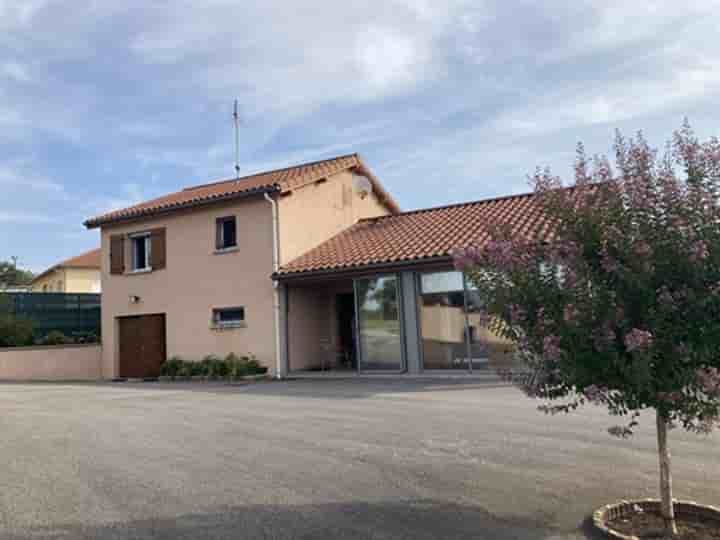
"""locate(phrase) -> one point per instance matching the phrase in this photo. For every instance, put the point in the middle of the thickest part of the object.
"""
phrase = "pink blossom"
(638, 339)
(500, 254)
(571, 278)
(517, 314)
(595, 393)
(551, 348)
(609, 263)
(709, 379)
(463, 259)
(570, 313)
(670, 397)
(699, 251)
(484, 318)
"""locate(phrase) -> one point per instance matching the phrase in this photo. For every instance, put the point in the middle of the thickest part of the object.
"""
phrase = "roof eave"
(44, 274)
(99, 222)
(343, 271)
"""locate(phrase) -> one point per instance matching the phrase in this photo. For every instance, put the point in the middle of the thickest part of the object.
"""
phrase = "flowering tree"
(619, 305)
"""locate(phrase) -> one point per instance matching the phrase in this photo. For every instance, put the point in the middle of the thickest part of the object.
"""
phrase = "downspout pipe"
(276, 292)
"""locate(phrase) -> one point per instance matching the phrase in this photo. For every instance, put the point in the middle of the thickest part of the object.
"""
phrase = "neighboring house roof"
(280, 180)
(421, 235)
(90, 259)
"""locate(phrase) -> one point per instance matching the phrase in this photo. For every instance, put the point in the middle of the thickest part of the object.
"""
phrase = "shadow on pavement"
(318, 388)
(413, 520)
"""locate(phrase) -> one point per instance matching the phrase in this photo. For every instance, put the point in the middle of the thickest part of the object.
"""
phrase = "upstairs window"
(138, 252)
(141, 252)
(226, 233)
(228, 317)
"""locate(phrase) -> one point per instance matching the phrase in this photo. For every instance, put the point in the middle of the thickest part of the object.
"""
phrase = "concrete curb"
(613, 511)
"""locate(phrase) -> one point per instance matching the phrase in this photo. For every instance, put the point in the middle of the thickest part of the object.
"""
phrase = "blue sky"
(104, 104)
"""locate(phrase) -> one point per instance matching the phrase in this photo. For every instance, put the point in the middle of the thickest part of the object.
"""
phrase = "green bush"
(186, 369)
(213, 366)
(56, 337)
(15, 332)
(171, 367)
(86, 337)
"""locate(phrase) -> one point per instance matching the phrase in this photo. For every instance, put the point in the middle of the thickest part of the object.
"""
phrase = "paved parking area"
(318, 460)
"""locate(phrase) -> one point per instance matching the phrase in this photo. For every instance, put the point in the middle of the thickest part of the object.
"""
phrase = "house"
(309, 268)
(79, 274)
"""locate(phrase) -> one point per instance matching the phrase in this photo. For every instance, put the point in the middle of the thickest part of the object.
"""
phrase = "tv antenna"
(236, 121)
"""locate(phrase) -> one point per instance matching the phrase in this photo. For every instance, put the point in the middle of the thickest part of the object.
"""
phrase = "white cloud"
(390, 61)
(15, 71)
(17, 177)
(461, 97)
(24, 218)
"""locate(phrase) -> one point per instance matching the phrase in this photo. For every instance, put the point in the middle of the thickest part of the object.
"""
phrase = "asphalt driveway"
(320, 460)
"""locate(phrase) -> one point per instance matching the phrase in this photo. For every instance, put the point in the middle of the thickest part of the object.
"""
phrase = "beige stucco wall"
(50, 281)
(195, 281)
(313, 332)
(63, 362)
(72, 280)
(82, 280)
(316, 212)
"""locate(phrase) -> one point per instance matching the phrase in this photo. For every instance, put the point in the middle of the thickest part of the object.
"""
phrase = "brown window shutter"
(218, 233)
(158, 249)
(117, 254)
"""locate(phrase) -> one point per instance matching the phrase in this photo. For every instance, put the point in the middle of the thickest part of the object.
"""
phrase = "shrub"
(56, 337)
(254, 366)
(213, 366)
(86, 337)
(171, 367)
(15, 332)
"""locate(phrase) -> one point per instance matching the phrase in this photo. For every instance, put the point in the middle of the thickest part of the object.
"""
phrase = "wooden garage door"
(141, 345)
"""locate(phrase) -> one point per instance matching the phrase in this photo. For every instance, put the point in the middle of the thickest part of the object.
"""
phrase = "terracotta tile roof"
(90, 259)
(421, 235)
(282, 180)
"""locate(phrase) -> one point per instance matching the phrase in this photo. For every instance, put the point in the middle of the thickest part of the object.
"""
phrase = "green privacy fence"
(75, 315)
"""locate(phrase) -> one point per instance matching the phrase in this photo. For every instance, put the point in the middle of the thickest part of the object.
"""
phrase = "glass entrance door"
(378, 308)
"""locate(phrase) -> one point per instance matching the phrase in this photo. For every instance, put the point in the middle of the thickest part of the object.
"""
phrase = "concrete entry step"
(490, 377)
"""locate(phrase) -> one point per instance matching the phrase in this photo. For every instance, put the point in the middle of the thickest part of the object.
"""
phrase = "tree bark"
(666, 497)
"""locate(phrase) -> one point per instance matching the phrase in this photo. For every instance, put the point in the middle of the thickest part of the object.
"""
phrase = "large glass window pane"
(442, 321)
(379, 324)
(488, 349)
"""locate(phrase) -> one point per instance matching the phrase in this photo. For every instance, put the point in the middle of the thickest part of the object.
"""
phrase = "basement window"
(232, 317)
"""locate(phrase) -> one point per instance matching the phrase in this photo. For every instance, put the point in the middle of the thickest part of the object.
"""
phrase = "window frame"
(220, 240)
(146, 237)
(233, 323)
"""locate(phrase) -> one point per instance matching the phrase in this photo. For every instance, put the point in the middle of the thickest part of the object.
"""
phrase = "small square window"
(140, 252)
(226, 233)
(228, 317)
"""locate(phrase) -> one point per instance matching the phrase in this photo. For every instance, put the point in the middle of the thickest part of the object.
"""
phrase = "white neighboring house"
(80, 274)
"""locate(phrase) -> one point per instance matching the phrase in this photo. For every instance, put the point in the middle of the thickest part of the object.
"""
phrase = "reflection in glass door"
(443, 321)
(379, 324)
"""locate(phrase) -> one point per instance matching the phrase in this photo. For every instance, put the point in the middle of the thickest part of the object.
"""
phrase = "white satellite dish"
(362, 186)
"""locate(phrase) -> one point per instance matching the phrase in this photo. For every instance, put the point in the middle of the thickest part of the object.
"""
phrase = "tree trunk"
(667, 508)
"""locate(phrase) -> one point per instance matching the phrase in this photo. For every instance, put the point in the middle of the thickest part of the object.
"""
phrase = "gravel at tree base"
(649, 526)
